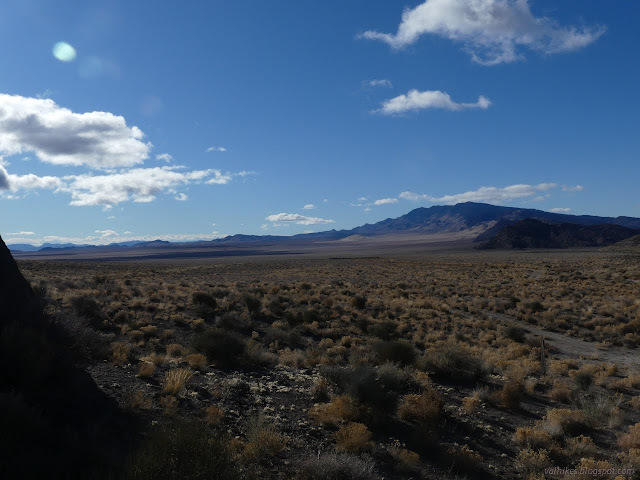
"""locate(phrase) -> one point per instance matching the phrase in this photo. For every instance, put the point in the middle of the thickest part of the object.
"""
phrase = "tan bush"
(631, 439)
(263, 441)
(471, 404)
(580, 447)
(533, 461)
(353, 438)
(422, 409)
(146, 369)
(213, 415)
(564, 421)
(532, 438)
(196, 360)
(338, 410)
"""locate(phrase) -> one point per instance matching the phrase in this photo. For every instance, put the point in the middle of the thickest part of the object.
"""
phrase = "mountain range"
(472, 221)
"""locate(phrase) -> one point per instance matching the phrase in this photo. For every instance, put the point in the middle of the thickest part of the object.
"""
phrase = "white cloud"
(381, 82)
(181, 197)
(385, 201)
(109, 189)
(166, 157)
(27, 182)
(309, 206)
(22, 233)
(216, 149)
(417, 100)
(107, 233)
(483, 194)
(139, 185)
(492, 31)
(298, 219)
(59, 136)
(569, 188)
(560, 210)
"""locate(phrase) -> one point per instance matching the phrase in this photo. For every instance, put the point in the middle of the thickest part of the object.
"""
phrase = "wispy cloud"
(492, 31)
(483, 194)
(380, 82)
(416, 100)
(22, 233)
(216, 149)
(385, 201)
(56, 135)
(560, 210)
(297, 219)
(165, 157)
(569, 188)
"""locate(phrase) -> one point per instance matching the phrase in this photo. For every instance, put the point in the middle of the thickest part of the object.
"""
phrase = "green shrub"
(87, 307)
(454, 361)
(183, 450)
(395, 351)
(201, 298)
(220, 347)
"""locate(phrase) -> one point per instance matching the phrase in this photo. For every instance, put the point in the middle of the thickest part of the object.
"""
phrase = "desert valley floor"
(364, 368)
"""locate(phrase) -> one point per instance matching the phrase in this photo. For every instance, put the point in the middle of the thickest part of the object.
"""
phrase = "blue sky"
(202, 119)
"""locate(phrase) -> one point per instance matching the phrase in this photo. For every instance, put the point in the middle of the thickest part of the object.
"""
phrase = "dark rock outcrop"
(55, 421)
(532, 233)
(16, 297)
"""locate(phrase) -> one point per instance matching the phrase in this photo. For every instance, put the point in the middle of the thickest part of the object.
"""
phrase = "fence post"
(543, 364)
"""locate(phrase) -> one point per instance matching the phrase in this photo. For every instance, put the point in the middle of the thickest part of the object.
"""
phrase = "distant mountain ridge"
(479, 220)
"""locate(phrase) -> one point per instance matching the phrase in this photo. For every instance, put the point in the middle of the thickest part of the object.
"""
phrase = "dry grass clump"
(471, 404)
(263, 441)
(532, 461)
(213, 415)
(120, 353)
(339, 409)
(406, 460)
(564, 421)
(532, 438)
(464, 460)
(169, 405)
(353, 438)
(580, 447)
(424, 409)
(138, 400)
(175, 350)
(510, 395)
(175, 380)
(631, 439)
(146, 369)
(196, 360)
(560, 392)
(335, 466)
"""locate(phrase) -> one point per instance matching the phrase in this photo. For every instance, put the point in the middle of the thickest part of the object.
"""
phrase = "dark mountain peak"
(534, 233)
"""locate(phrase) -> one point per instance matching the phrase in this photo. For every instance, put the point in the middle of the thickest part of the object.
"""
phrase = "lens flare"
(64, 52)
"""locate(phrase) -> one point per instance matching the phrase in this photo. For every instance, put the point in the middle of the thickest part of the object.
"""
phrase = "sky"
(195, 120)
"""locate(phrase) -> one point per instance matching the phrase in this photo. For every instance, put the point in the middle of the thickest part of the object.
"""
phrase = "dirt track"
(571, 347)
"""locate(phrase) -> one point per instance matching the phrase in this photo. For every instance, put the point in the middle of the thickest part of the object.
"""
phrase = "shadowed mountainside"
(630, 245)
(532, 233)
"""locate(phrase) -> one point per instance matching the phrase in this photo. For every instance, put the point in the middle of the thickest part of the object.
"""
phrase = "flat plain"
(414, 366)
